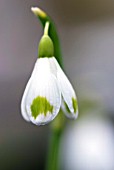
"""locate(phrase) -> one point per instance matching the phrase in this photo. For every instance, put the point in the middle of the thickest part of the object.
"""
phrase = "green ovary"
(41, 105)
(46, 47)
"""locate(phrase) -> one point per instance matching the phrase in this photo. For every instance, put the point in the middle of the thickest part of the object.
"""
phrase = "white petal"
(67, 91)
(23, 108)
(23, 102)
(43, 84)
(67, 111)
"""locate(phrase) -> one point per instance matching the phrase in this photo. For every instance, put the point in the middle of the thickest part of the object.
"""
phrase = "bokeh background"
(86, 30)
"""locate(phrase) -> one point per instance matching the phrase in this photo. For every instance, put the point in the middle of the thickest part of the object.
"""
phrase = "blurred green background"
(86, 30)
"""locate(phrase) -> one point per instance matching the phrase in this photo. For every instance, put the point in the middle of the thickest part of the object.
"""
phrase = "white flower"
(47, 90)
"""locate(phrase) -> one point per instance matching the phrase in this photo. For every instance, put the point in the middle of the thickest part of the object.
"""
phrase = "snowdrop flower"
(48, 88)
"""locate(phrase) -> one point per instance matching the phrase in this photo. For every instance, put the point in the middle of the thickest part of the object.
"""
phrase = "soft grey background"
(86, 30)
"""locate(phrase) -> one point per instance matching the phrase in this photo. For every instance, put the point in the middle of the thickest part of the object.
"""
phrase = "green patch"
(68, 110)
(41, 105)
(74, 104)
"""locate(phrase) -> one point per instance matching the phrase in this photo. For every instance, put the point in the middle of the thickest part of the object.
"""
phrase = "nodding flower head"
(48, 88)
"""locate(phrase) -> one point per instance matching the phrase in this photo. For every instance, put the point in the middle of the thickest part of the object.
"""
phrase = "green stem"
(57, 128)
(46, 29)
(43, 17)
(52, 160)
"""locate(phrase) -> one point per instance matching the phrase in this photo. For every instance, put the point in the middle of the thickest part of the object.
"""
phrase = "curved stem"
(46, 29)
(43, 17)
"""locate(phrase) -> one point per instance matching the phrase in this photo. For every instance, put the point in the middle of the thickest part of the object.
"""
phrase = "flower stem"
(43, 17)
(57, 128)
(46, 28)
(52, 160)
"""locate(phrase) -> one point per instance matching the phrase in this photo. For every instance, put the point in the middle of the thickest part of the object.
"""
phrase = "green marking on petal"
(66, 107)
(41, 105)
(74, 104)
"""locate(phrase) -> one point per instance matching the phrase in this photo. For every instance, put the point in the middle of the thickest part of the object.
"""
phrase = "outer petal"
(69, 105)
(43, 99)
(23, 102)
(66, 110)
